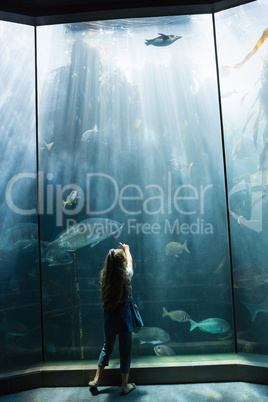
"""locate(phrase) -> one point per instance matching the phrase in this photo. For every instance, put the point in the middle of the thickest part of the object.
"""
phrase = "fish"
(87, 232)
(175, 249)
(249, 276)
(164, 350)
(19, 237)
(162, 40)
(211, 325)
(87, 134)
(72, 197)
(176, 315)
(54, 256)
(254, 309)
(15, 334)
(153, 335)
(48, 146)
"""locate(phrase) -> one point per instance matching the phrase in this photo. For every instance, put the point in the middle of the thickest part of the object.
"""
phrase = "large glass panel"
(129, 134)
(243, 82)
(20, 316)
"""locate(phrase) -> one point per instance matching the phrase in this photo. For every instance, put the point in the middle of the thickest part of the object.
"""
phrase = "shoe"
(126, 391)
(93, 383)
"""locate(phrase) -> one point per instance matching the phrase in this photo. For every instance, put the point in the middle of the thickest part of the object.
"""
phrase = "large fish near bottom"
(153, 335)
(164, 350)
(87, 232)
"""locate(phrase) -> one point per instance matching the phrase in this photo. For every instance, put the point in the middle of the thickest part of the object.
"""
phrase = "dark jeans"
(125, 348)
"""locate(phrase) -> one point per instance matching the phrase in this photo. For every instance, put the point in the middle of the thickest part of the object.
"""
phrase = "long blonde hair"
(114, 280)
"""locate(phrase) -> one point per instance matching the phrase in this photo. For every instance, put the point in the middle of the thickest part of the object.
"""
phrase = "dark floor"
(225, 392)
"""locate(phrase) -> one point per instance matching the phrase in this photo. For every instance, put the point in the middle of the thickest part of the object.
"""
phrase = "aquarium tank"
(147, 131)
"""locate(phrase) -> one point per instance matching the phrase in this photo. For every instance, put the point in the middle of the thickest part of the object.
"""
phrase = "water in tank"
(130, 137)
(243, 84)
(20, 307)
(139, 136)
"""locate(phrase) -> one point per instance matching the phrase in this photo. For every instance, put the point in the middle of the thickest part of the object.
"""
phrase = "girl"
(119, 315)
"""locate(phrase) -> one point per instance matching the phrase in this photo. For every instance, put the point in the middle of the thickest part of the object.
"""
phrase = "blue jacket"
(121, 319)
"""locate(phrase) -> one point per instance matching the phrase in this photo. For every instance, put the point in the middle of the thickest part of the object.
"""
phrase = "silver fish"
(164, 350)
(87, 232)
(175, 249)
(162, 40)
(176, 315)
(19, 237)
(87, 134)
(153, 335)
(211, 325)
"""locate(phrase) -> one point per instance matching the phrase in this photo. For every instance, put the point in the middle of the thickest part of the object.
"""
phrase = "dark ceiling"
(38, 12)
